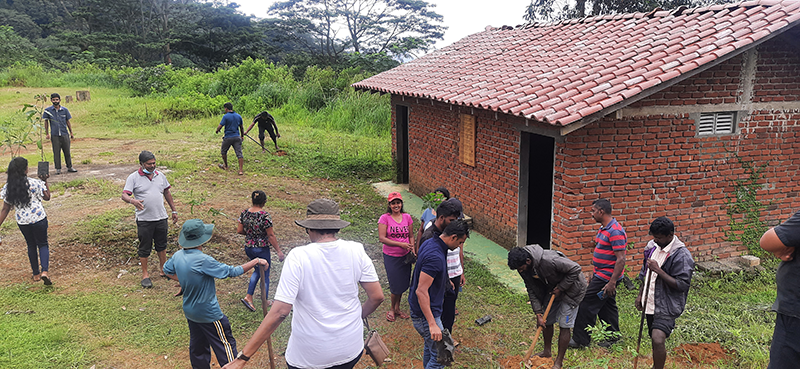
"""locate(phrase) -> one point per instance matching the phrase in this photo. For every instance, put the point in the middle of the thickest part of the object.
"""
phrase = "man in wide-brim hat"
(320, 281)
(196, 271)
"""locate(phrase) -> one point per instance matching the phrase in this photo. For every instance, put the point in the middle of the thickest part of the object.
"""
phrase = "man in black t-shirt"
(265, 122)
(782, 242)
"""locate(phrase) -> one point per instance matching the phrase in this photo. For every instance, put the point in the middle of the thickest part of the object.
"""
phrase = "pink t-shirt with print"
(400, 232)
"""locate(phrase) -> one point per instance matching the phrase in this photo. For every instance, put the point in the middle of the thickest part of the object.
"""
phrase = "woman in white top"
(26, 195)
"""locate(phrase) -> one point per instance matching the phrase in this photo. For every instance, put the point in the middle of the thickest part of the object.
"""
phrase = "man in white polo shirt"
(146, 190)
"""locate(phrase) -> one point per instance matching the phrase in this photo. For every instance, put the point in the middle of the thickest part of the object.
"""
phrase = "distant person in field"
(546, 273)
(783, 241)
(265, 122)
(234, 134)
(667, 269)
(56, 119)
(146, 189)
(26, 195)
(208, 326)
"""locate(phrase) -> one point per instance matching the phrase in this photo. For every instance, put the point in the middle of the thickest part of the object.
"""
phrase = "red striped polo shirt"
(609, 239)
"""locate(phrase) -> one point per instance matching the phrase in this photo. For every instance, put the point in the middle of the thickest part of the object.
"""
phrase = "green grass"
(71, 330)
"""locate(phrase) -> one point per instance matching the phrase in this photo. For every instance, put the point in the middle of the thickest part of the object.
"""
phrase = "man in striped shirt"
(608, 262)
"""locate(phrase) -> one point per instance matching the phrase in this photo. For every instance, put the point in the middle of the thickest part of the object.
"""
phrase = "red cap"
(395, 196)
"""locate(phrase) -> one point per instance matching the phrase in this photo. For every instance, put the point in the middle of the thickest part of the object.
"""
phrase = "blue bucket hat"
(194, 233)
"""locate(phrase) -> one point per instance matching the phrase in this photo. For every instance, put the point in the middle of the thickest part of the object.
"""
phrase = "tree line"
(211, 34)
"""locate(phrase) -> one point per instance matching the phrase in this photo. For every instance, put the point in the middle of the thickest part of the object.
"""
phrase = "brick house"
(528, 126)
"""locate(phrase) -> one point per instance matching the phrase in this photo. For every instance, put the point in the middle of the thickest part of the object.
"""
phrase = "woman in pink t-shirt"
(396, 232)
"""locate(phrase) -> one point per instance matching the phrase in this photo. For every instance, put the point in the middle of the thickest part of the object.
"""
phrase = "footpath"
(477, 248)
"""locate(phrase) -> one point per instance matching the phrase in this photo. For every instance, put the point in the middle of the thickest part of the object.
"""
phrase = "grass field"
(98, 315)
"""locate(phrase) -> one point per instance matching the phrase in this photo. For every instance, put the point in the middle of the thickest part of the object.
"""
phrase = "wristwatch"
(242, 356)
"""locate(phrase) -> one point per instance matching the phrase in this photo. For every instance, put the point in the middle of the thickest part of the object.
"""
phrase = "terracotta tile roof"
(560, 73)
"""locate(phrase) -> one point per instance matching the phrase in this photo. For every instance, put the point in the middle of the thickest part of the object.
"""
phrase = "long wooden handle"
(265, 309)
(538, 330)
(641, 322)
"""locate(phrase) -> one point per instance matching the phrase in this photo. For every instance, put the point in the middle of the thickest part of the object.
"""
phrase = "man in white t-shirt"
(320, 281)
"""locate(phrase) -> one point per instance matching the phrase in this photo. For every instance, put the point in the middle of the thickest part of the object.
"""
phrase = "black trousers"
(61, 143)
(784, 353)
(592, 308)
(216, 335)
(449, 306)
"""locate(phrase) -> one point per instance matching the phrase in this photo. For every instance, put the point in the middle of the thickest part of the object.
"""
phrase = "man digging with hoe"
(547, 272)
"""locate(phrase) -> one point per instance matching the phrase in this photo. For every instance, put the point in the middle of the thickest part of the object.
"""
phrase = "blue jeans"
(36, 237)
(429, 352)
(258, 252)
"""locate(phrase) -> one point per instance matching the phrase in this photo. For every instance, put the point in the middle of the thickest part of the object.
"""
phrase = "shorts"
(662, 323)
(563, 314)
(398, 273)
(268, 128)
(236, 142)
(150, 232)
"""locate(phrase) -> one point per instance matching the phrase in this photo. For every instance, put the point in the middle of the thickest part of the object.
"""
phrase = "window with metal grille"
(716, 123)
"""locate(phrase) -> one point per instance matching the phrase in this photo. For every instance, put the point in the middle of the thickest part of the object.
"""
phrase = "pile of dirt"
(540, 362)
(702, 353)
(513, 362)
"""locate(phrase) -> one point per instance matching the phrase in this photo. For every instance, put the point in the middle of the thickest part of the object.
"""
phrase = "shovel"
(265, 309)
(257, 143)
(641, 322)
(538, 330)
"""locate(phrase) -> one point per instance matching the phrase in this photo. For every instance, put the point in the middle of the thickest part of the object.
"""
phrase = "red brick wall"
(778, 73)
(717, 85)
(488, 190)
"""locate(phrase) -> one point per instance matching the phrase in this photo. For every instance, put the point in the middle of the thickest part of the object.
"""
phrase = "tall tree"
(396, 27)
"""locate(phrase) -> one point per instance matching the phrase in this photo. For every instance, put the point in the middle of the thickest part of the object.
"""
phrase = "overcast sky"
(462, 17)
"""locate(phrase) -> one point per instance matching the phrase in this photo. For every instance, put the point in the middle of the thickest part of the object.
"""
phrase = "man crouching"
(547, 272)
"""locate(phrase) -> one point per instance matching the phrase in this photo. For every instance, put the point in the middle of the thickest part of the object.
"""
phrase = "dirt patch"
(701, 353)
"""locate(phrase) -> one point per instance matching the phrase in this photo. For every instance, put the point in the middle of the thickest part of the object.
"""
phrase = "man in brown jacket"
(547, 272)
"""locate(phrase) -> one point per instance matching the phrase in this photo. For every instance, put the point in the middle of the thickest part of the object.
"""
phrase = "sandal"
(46, 280)
(390, 316)
(403, 315)
(248, 305)
(37, 278)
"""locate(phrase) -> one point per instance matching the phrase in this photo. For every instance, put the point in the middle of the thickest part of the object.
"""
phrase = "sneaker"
(72, 170)
(573, 344)
(58, 171)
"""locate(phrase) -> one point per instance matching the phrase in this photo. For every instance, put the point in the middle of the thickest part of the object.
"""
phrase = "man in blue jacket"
(667, 268)
(196, 271)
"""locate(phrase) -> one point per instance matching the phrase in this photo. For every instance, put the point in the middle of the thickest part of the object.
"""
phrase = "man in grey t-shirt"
(146, 190)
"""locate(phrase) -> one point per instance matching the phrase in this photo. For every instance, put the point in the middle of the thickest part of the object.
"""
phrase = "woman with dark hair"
(396, 232)
(256, 225)
(26, 195)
